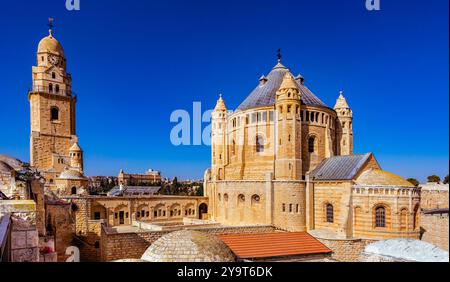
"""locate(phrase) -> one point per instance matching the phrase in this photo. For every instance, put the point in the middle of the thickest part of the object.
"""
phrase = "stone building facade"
(92, 212)
(286, 159)
(129, 179)
(282, 161)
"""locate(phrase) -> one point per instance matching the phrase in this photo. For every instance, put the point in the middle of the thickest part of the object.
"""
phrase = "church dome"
(4, 167)
(265, 93)
(188, 246)
(11, 162)
(380, 177)
(71, 174)
(51, 45)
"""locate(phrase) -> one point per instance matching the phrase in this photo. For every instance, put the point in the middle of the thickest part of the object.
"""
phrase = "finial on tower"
(50, 25)
(279, 55)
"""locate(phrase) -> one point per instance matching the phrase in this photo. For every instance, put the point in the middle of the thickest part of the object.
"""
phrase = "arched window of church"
(329, 211)
(57, 88)
(74, 190)
(53, 75)
(54, 113)
(50, 88)
(259, 144)
(233, 148)
(404, 219)
(311, 144)
(380, 217)
(225, 197)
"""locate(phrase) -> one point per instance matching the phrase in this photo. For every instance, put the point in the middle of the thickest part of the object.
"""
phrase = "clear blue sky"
(134, 62)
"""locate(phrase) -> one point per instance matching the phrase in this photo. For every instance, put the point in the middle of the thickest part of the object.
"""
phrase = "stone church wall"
(346, 250)
(435, 229)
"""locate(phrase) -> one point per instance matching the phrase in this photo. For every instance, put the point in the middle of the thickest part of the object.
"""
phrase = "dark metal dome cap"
(264, 94)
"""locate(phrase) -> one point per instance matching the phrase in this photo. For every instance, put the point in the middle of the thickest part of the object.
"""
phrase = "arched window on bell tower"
(311, 144)
(54, 113)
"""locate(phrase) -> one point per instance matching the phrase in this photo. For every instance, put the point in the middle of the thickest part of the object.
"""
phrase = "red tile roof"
(265, 245)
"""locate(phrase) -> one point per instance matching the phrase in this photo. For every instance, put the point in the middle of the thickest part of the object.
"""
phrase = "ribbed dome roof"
(265, 94)
(380, 177)
(71, 174)
(188, 246)
(50, 44)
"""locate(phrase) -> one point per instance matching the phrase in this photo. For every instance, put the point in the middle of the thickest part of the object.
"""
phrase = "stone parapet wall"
(434, 196)
(346, 250)
(116, 246)
(435, 229)
(24, 234)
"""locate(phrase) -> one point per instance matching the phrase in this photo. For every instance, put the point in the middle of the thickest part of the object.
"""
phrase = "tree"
(434, 178)
(445, 179)
(413, 181)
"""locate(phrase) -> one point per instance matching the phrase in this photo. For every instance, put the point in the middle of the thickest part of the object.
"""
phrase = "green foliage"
(181, 188)
(445, 179)
(413, 181)
(434, 178)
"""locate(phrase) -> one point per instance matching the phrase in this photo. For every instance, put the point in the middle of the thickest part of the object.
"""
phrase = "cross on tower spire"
(50, 25)
(279, 55)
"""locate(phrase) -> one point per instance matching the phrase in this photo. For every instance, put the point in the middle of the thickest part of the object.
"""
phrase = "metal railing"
(5, 238)
(50, 90)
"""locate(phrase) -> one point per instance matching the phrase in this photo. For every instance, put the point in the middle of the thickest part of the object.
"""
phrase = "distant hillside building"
(149, 177)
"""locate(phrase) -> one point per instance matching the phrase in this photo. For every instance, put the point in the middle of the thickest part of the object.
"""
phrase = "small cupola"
(262, 80)
(300, 79)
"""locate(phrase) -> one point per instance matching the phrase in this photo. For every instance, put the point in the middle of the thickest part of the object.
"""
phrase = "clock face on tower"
(54, 60)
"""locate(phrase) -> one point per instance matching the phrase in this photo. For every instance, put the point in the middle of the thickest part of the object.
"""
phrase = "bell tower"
(52, 110)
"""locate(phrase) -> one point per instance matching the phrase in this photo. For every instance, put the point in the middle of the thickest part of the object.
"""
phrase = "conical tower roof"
(75, 147)
(288, 82)
(341, 103)
(220, 105)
